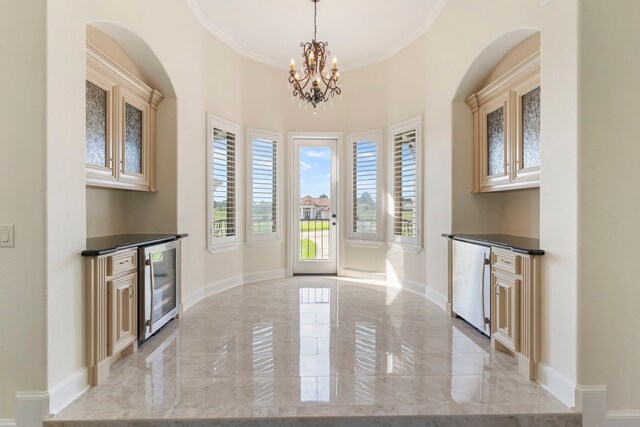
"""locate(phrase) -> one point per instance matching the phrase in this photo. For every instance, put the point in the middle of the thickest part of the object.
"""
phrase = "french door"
(315, 206)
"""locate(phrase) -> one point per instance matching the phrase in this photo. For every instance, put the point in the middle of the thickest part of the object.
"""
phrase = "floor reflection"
(315, 339)
(313, 346)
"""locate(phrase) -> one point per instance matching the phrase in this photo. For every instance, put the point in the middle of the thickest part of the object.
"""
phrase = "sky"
(315, 171)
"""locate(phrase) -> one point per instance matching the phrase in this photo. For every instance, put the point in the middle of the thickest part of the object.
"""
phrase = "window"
(263, 164)
(366, 191)
(222, 211)
(405, 182)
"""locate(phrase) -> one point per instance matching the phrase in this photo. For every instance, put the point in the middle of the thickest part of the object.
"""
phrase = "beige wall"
(22, 144)
(609, 197)
(558, 195)
(106, 212)
(521, 213)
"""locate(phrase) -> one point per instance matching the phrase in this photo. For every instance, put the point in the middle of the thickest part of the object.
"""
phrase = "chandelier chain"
(315, 21)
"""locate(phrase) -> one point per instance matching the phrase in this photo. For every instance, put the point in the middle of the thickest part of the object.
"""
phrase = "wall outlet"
(6, 236)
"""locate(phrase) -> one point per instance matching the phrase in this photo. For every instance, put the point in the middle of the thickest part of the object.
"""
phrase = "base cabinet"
(111, 310)
(515, 307)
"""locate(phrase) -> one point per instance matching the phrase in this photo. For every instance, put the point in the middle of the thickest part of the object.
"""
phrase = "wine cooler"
(159, 288)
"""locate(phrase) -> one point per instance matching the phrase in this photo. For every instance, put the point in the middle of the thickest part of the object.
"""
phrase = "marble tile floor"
(316, 351)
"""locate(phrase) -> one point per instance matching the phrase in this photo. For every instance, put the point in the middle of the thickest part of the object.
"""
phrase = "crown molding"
(417, 33)
(225, 38)
(208, 25)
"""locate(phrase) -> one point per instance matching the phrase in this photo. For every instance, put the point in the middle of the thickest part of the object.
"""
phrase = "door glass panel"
(315, 204)
(531, 129)
(164, 281)
(96, 127)
(495, 142)
(133, 140)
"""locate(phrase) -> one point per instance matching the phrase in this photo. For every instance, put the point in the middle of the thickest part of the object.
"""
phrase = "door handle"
(485, 262)
(149, 262)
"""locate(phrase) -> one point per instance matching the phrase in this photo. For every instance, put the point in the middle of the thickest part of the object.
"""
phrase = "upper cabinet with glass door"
(120, 126)
(506, 130)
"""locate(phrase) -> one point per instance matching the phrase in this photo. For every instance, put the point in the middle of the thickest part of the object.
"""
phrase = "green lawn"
(307, 249)
(314, 225)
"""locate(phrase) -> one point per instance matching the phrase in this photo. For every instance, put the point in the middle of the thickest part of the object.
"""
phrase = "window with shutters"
(263, 192)
(405, 182)
(222, 206)
(366, 190)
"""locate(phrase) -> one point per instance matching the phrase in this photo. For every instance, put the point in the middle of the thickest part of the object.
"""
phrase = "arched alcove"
(114, 211)
(515, 212)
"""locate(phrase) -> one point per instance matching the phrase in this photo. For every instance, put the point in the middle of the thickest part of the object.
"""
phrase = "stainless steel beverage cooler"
(159, 288)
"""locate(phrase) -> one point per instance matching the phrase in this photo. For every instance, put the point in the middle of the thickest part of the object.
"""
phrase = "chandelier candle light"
(318, 84)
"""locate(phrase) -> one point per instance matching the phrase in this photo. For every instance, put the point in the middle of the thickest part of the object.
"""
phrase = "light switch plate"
(6, 236)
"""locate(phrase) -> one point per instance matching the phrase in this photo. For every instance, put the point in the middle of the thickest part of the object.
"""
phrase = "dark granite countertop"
(108, 244)
(523, 245)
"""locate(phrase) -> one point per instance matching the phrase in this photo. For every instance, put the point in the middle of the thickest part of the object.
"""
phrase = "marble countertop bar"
(104, 245)
(523, 245)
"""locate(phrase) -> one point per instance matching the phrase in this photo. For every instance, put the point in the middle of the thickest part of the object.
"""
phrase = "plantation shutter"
(264, 189)
(224, 184)
(365, 186)
(405, 185)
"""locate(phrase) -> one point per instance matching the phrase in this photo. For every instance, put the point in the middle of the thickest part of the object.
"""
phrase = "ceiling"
(359, 32)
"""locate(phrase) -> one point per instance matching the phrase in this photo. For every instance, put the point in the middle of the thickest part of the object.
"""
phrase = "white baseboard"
(264, 275)
(223, 285)
(557, 384)
(7, 423)
(192, 299)
(363, 274)
(31, 408)
(421, 289)
(592, 401)
(68, 390)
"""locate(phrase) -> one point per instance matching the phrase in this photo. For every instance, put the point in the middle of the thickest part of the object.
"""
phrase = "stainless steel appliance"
(159, 287)
(471, 284)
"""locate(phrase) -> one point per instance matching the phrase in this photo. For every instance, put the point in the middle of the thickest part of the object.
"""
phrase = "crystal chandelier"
(318, 84)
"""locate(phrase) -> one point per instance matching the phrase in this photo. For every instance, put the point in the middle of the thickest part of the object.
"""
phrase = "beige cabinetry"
(515, 307)
(506, 129)
(111, 309)
(120, 126)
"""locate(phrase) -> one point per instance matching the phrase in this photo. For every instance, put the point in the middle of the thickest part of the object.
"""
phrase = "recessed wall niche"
(112, 211)
(515, 212)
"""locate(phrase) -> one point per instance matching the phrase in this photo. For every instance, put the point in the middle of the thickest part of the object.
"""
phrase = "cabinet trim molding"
(507, 92)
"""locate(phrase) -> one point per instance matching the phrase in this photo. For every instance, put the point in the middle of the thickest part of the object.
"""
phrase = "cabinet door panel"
(531, 129)
(134, 141)
(526, 99)
(133, 133)
(495, 142)
(98, 154)
(122, 312)
(96, 148)
(507, 311)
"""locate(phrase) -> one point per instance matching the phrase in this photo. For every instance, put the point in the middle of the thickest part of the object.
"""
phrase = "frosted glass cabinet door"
(133, 134)
(134, 144)
(531, 129)
(527, 134)
(97, 149)
(496, 143)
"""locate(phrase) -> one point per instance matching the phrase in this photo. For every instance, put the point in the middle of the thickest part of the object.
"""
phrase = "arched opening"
(512, 212)
(110, 211)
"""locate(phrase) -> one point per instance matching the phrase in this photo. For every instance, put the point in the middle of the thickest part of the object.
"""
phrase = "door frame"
(291, 221)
